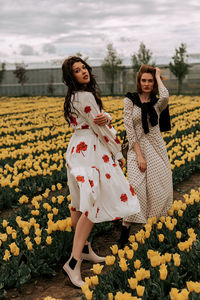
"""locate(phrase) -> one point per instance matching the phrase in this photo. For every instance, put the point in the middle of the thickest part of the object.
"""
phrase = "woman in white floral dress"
(99, 190)
(147, 161)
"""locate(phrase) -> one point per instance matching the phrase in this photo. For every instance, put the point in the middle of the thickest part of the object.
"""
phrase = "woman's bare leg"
(75, 215)
(82, 231)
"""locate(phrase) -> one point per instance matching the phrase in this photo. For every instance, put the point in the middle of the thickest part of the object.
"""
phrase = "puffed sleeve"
(163, 98)
(128, 122)
(88, 108)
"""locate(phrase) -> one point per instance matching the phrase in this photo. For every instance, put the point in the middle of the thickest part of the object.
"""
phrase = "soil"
(59, 287)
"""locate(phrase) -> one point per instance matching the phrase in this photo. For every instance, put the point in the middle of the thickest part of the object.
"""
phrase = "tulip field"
(161, 262)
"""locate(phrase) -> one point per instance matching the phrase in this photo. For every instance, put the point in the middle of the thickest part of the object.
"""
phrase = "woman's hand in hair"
(101, 119)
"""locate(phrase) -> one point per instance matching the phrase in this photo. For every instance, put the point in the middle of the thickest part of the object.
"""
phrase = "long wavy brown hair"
(146, 69)
(73, 86)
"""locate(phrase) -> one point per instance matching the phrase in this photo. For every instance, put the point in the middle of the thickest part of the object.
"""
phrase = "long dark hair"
(146, 69)
(73, 86)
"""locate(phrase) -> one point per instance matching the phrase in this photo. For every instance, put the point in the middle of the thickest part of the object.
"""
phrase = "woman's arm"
(163, 92)
(89, 110)
(131, 134)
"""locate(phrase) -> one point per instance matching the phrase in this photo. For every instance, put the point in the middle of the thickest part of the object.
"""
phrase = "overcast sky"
(36, 30)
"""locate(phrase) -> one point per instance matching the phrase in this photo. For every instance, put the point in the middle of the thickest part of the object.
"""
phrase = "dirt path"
(59, 286)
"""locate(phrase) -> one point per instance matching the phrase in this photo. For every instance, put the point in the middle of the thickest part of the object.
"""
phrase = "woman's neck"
(145, 97)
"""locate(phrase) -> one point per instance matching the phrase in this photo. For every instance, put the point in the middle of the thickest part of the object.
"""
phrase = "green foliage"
(144, 56)
(20, 73)
(111, 65)
(2, 72)
(179, 67)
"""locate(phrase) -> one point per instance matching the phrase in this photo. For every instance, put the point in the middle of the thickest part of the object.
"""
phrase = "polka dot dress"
(97, 184)
(153, 187)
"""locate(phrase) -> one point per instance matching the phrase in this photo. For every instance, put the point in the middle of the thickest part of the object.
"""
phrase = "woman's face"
(80, 72)
(147, 82)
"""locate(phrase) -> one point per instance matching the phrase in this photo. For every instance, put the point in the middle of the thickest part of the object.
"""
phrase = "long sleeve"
(88, 108)
(163, 98)
(128, 122)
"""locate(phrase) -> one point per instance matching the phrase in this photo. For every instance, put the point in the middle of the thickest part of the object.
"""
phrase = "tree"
(143, 56)
(20, 73)
(79, 54)
(2, 72)
(112, 63)
(179, 67)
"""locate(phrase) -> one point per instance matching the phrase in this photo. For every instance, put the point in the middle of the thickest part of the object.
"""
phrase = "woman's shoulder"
(83, 94)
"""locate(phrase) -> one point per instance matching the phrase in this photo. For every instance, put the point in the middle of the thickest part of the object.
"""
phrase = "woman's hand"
(101, 119)
(122, 162)
(142, 165)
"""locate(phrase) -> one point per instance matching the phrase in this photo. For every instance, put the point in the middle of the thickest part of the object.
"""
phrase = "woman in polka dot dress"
(99, 190)
(147, 160)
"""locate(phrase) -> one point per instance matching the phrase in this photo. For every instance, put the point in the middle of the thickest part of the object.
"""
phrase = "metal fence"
(42, 82)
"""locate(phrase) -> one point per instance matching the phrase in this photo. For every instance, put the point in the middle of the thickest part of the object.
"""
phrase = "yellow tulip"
(140, 290)
(49, 240)
(133, 283)
(109, 260)
(97, 268)
(137, 264)
(94, 280)
(123, 264)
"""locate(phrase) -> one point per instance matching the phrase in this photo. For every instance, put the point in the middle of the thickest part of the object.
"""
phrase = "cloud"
(65, 27)
(49, 48)
(27, 50)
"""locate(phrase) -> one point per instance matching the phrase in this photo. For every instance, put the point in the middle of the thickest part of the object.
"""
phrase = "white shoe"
(74, 274)
(92, 256)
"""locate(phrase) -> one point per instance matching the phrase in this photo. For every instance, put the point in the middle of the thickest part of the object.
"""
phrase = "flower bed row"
(162, 260)
(32, 156)
(37, 238)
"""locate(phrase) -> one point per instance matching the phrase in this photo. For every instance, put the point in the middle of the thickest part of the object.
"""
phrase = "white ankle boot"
(74, 274)
(92, 256)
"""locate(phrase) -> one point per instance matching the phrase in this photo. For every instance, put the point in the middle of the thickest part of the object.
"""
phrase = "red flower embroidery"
(86, 213)
(72, 150)
(110, 126)
(105, 158)
(85, 126)
(97, 212)
(132, 190)
(106, 139)
(73, 120)
(124, 197)
(73, 208)
(80, 178)
(81, 147)
(117, 140)
(87, 109)
(91, 183)
(108, 176)
(114, 165)
(94, 147)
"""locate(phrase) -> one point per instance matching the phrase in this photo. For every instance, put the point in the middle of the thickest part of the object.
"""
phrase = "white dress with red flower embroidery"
(96, 182)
